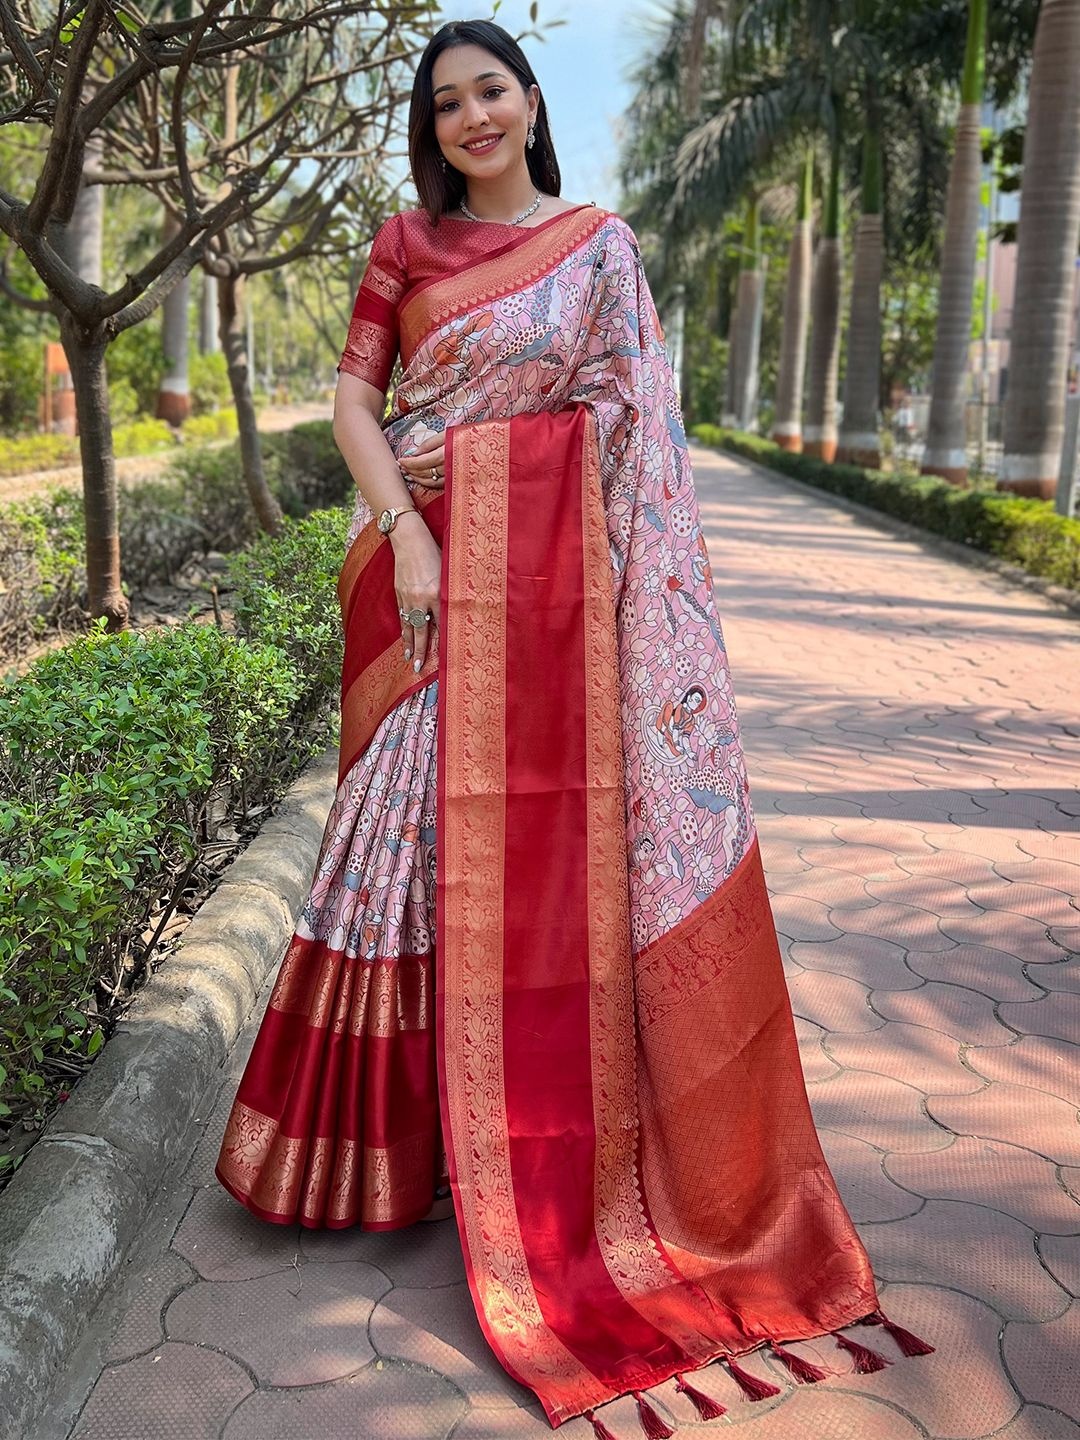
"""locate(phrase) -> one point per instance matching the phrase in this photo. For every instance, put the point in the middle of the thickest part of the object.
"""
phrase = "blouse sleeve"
(372, 346)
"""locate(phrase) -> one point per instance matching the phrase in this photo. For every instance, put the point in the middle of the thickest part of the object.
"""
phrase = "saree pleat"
(335, 1122)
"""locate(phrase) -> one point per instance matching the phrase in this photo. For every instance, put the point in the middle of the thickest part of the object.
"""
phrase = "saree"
(589, 1034)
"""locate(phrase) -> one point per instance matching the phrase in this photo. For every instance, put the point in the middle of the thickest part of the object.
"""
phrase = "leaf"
(677, 859)
(67, 34)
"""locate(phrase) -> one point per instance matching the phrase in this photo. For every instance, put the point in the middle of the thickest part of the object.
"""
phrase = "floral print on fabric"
(373, 895)
(588, 332)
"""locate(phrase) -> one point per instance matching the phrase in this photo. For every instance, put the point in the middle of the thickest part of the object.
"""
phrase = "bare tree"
(291, 137)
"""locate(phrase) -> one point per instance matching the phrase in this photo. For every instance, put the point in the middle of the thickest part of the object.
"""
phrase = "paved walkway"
(911, 728)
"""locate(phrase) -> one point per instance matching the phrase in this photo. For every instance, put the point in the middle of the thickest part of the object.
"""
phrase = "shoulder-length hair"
(441, 187)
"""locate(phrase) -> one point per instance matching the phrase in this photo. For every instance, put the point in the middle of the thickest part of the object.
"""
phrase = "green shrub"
(114, 752)
(208, 377)
(42, 542)
(1028, 533)
(22, 454)
(286, 595)
(213, 425)
(142, 437)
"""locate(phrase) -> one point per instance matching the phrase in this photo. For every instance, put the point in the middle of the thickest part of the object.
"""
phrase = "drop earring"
(530, 139)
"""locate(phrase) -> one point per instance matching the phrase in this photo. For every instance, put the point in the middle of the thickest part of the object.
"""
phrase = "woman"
(538, 958)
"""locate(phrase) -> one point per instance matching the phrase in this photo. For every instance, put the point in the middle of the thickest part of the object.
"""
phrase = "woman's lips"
(485, 149)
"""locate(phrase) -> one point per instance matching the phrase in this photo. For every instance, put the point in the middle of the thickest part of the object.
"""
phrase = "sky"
(581, 67)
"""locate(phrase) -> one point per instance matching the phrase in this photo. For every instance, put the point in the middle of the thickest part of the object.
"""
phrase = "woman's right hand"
(417, 570)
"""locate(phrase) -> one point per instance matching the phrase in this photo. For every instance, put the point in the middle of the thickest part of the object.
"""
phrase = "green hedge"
(1028, 533)
(121, 759)
(21, 454)
(197, 505)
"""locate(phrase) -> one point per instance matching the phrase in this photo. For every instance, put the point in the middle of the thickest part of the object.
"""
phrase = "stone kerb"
(76, 1203)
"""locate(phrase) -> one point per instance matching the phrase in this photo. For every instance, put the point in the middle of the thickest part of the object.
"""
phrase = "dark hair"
(442, 187)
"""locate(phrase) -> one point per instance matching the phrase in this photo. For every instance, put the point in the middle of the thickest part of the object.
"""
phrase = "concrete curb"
(965, 554)
(78, 1200)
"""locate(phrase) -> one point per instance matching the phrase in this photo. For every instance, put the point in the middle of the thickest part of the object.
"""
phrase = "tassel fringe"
(750, 1385)
(867, 1361)
(801, 1370)
(705, 1405)
(909, 1344)
(651, 1423)
(600, 1430)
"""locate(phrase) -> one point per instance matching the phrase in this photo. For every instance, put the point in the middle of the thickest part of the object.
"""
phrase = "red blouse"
(407, 250)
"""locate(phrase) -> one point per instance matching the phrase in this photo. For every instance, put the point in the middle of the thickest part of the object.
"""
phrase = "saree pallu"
(637, 1182)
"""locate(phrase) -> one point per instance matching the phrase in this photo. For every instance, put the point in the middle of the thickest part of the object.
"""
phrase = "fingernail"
(408, 654)
(416, 665)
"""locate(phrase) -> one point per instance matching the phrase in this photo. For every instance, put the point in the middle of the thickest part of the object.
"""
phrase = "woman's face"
(477, 99)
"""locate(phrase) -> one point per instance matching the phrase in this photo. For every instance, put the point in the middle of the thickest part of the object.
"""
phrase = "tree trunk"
(751, 296)
(819, 436)
(860, 442)
(234, 344)
(731, 374)
(86, 357)
(208, 316)
(174, 393)
(946, 439)
(1045, 266)
(787, 427)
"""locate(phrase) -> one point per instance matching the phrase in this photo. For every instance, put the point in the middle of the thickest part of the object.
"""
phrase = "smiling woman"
(538, 960)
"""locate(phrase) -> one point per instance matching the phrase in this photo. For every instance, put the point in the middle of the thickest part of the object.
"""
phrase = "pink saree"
(584, 1021)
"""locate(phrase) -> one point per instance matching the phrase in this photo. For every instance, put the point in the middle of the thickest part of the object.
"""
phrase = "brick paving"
(911, 727)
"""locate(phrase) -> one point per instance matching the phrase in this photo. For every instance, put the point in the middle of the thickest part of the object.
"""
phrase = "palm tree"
(787, 426)
(946, 441)
(1045, 274)
(860, 442)
(748, 310)
(820, 436)
(174, 392)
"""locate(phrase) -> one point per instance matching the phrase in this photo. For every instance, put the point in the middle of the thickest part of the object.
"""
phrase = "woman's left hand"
(426, 468)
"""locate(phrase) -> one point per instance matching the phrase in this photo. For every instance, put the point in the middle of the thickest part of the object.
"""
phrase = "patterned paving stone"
(874, 1108)
(870, 961)
(828, 887)
(1050, 1065)
(439, 1329)
(954, 866)
(815, 1063)
(832, 1001)
(1061, 1256)
(1071, 1180)
(823, 1412)
(1057, 875)
(981, 1252)
(1037, 902)
(1037, 1423)
(959, 1392)
(926, 892)
(992, 972)
(1002, 930)
(989, 1173)
(801, 919)
(1064, 976)
(1017, 1115)
(901, 924)
(418, 1255)
(867, 1192)
(518, 1424)
(140, 1326)
(1056, 1015)
(294, 1327)
(175, 1393)
(925, 1059)
(1042, 1360)
(862, 860)
(963, 1014)
(396, 1402)
(223, 1241)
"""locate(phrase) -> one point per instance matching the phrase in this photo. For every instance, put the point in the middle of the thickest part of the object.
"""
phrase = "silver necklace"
(517, 221)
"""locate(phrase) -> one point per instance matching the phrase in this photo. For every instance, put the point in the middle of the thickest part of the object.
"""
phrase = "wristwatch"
(388, 519)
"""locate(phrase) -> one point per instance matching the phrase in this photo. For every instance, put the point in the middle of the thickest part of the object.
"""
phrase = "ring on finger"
(416, 617)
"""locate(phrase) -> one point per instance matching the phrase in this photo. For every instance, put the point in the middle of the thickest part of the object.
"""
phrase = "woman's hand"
(417, 568)
(426, 468)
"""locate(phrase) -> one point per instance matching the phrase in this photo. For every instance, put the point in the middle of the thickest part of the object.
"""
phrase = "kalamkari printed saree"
(538, 958)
